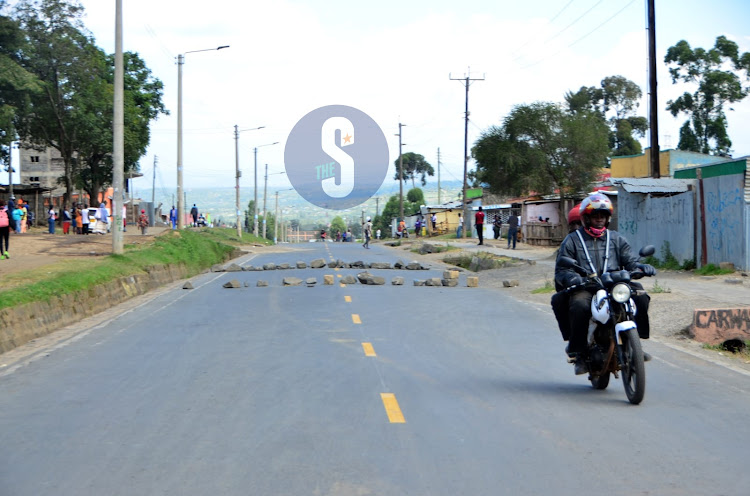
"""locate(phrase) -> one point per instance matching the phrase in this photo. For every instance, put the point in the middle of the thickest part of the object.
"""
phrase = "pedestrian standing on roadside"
(66, 220)
(479, 222)
(497, 224)
(24, 217)
(143, 222)
(79, 221)
(460, 228)
(4, 230)
(194, 215)
(51, 218)
(16, 216)
(512, 230)
(102, 219)
(11, 207)
(85, 221)
(173, 217)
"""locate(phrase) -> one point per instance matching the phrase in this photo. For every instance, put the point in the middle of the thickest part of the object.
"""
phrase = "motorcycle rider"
(598, 250)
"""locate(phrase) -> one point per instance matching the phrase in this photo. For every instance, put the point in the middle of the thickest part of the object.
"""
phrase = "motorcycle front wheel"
(633, 370)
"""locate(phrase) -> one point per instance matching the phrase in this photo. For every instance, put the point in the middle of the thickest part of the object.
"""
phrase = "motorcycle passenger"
(599, 250)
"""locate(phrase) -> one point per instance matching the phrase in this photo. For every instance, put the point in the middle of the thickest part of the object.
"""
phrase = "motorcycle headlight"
(621, 293)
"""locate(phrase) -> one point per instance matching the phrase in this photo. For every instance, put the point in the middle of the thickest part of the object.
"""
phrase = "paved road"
(273, 391)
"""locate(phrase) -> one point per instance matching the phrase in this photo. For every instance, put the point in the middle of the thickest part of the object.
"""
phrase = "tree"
(337, 224)
(414, 165)
(65, 60)
(416, 197)
(16, 83)
(705, 131)
(616, 102)
(142, 104)
(543, 149)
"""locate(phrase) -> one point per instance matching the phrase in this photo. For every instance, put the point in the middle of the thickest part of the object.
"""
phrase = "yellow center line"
(342, 284)
(356, 319)
(392, 409)
(369, 350)
(348, 299)
(336, 269)
(338, 275)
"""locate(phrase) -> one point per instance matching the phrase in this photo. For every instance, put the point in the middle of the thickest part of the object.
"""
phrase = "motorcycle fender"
(624, 327)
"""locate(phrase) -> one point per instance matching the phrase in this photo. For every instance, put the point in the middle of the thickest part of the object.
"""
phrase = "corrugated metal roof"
(651, 185)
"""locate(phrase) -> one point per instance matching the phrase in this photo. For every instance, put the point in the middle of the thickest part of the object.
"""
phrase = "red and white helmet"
(596, 202)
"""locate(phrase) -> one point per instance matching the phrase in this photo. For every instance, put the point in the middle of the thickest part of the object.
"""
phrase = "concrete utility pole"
(118, 144)
(467, 82)
(153, 181)
(400, 174)
(255, 194)
(653, 123)
(265, 191)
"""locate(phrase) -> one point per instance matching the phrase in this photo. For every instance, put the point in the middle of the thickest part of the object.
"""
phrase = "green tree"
(16, 83)
(705, 131)
(543, 149)
(616, 101)
(414, 165)
(415, 196)
(66, 61)
(142, 104)
(337, 224)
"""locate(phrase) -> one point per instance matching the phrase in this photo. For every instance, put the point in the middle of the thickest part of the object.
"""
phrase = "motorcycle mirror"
(647, 251)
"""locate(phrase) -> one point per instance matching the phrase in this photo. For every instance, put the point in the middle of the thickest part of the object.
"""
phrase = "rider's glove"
(573, 280)
(647, 269)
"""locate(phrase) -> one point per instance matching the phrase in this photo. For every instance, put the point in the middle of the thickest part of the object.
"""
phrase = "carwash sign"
(336, 157)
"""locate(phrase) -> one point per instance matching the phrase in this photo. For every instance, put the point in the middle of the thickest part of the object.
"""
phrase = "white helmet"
(368, 219)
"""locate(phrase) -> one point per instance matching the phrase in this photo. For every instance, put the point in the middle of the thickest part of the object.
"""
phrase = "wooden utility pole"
(467, 82)
(653, 122)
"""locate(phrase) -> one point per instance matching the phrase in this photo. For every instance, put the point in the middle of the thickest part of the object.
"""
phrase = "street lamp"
(255, 194)
(180, 62)
(237, 170)
(265, 189)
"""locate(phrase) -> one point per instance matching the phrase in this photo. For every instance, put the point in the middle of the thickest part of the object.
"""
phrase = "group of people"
(20, 215)
(497, 224)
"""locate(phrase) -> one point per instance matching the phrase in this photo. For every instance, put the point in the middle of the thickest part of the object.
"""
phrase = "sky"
(393, 60)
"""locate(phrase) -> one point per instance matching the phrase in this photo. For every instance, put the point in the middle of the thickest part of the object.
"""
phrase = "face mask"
(594, 232)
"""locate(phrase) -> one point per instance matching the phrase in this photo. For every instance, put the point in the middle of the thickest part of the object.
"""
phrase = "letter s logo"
(345, 161)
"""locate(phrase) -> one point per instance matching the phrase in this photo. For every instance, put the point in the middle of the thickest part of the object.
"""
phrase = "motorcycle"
(613, 340)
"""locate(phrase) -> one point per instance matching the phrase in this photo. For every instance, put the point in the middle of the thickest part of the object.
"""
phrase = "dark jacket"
(621, 256)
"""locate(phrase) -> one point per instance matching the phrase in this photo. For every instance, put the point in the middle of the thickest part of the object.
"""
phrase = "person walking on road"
(367, 228)
(479, 221)
(512, 230)
(16, 216)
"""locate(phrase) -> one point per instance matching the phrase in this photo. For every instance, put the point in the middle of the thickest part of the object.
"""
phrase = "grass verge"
(196, 250)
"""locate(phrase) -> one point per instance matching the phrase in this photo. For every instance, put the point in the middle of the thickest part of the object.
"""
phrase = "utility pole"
(118, 144)
(265, 190)
(237, 178)
(10, 170)
(439, 202)
(653, 124)
(400, 175)
(153, 181)
(377, 206)
(467, 82)
(276, 221)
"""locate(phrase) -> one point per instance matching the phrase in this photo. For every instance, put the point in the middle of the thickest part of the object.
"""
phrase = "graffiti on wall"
(723, 222)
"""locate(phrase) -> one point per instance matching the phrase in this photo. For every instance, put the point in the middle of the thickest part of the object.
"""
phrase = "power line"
(551, 21)
(581, 38)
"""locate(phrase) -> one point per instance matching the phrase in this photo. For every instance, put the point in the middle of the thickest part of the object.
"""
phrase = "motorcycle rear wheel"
(633, 370)
(600, 382)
